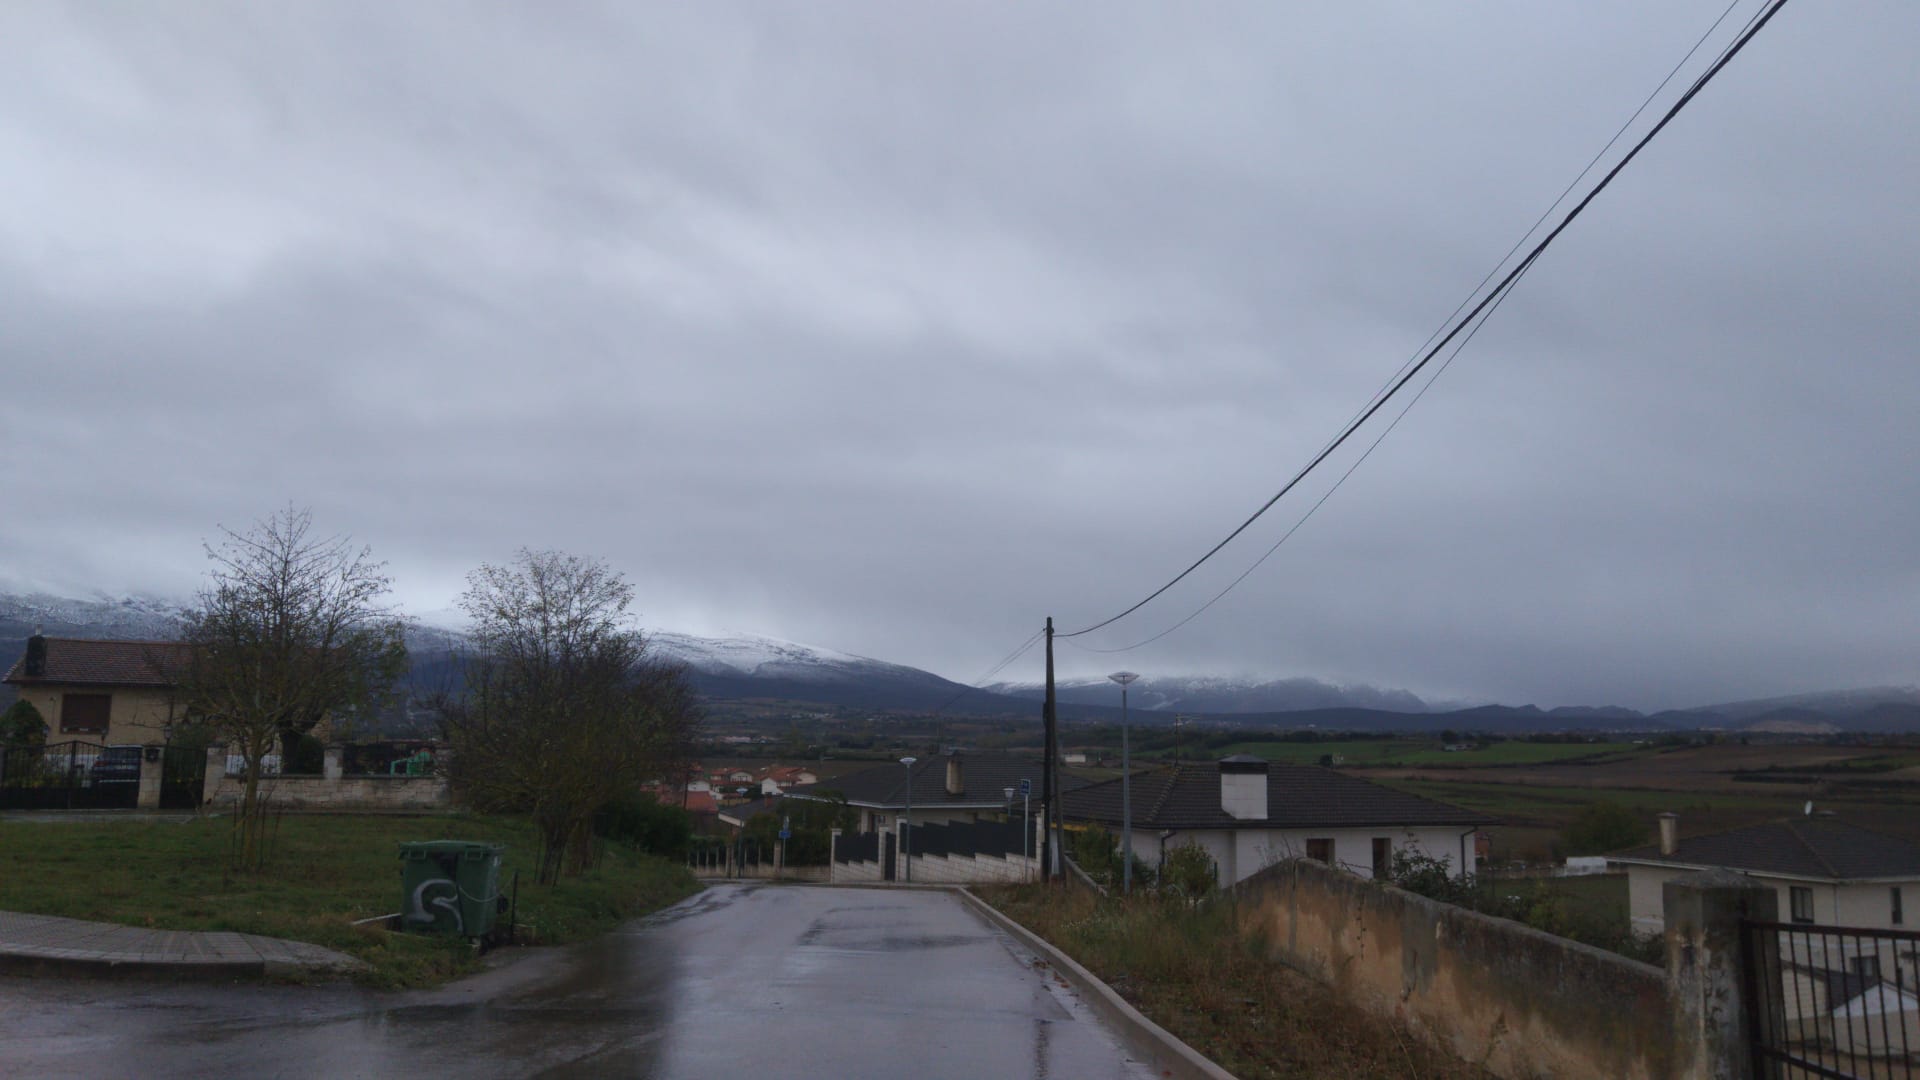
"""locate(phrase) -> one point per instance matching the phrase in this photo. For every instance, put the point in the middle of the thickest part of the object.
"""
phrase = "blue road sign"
(786, 834)
(1026, 787)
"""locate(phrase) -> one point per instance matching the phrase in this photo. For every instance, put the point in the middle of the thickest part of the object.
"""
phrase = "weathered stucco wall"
(1522, 1002)
(135, 716)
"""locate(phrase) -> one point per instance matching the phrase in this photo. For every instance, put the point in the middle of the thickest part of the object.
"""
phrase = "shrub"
(22, 725)
(307, 756)
(645, 824)
(1189, 872)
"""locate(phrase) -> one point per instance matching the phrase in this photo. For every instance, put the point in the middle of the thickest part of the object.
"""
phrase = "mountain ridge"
(751, 667)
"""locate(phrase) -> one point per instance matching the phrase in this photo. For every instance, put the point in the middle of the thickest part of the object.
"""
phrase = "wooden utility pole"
(1049, 773)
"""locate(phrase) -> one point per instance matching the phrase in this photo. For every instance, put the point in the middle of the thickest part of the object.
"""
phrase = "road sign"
(1026, 787)
(786, 834)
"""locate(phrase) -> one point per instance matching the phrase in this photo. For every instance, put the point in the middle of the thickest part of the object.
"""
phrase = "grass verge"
(323, 873)
(1195, 974)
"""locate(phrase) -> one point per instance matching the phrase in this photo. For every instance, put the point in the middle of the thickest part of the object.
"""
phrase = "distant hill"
(765, 669)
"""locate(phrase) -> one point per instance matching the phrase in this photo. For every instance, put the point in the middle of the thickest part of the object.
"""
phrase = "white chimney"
(1243, 787)
(1669, 833)
(955, 784)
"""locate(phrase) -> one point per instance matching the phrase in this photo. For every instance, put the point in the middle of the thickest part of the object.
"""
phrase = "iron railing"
(1832, 1001)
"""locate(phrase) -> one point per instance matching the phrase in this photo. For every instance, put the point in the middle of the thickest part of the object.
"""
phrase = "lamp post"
(1126, 787)
(906, 825)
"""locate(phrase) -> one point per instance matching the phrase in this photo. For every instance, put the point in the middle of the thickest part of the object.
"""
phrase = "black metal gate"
(1832, 1001)
(183, 777)
(70, 776)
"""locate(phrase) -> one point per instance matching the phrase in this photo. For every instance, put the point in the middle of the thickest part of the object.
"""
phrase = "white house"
(1249, 814)
(1825, 870)
(1850, 991)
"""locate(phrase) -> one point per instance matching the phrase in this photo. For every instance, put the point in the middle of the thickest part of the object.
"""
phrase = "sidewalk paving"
(78, 947)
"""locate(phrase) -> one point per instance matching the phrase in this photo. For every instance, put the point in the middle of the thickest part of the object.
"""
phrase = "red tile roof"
(106, 663)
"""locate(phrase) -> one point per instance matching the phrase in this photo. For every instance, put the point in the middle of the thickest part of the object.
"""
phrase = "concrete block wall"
(970, 869)
(945, 870)
(852, 872)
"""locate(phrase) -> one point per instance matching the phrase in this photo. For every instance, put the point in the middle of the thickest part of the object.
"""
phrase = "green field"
(1369, 753)
(323, 873)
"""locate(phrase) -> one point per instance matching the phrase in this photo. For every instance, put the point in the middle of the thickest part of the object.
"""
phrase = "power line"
(1017, 653)
(1531, 229)
(1752, 29)
(1318, 503)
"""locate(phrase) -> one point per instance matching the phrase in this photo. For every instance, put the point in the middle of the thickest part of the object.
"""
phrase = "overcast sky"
(895, 328)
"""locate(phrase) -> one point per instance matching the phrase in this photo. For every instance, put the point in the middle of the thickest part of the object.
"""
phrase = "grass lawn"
(1194, 974)
(322, 874)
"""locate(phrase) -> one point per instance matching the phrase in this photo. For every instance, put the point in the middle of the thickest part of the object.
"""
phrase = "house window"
(1866, 967)
(1800, 898)
(85, 712)
(1899, 915)
(1382, 857)
(1321, 848)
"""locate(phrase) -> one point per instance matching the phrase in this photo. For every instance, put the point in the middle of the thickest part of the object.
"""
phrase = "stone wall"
(330, 791)
(1523, 1002)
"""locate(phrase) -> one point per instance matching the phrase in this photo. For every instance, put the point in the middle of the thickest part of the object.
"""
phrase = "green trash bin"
(449, 887)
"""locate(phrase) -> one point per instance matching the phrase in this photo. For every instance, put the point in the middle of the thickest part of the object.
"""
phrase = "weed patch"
(1199, 976)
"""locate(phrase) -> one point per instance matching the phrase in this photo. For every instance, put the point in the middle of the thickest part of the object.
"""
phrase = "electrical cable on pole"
(1754, 26)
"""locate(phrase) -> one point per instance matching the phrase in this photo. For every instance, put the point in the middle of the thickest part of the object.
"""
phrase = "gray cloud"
(895, 329)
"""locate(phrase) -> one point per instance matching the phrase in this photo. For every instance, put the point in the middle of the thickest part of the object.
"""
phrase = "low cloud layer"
(896, 329)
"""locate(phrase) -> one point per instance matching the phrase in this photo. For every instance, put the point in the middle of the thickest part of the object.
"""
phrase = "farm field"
(1383, 753)
(1807, 769)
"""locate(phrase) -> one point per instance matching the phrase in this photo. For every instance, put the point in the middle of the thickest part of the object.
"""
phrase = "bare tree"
(561, 709)
(290, 628)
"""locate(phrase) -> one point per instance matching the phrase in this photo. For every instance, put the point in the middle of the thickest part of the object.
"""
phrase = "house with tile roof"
(952, 786)
(1249, 814)
(1825, 870)
(112, 692)
(1851, 991)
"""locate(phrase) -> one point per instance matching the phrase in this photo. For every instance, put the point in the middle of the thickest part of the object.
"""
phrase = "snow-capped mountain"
(137, 617)
(1223, 695)
(753, 666)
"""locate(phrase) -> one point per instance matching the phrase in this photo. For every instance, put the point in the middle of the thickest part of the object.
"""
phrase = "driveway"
(741, 980)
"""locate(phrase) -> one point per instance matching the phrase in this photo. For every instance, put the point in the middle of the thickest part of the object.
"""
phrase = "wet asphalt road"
(741, 980)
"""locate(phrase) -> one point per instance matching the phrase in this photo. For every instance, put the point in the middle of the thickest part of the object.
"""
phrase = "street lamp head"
(1123, 677)
(908, 761)
(1009, 793)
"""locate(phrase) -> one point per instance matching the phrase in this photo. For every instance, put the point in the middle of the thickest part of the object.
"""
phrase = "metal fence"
(70, 776)
(1833, 1001)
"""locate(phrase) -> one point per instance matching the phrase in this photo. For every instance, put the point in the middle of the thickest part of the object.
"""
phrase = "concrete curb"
(1154, 1044)
(21, 962)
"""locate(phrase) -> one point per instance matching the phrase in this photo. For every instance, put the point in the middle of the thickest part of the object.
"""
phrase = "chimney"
(35, 666)
(1669, 833)
(1243, 787)
(955, 784)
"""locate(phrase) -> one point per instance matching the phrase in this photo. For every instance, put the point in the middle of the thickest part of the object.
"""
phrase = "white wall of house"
(1867, 904)
(1241, 853)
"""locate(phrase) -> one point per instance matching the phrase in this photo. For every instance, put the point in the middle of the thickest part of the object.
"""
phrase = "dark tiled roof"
(985, 778)
(106, 663)
(1801, 847)
(744, 812)
(1298, 796)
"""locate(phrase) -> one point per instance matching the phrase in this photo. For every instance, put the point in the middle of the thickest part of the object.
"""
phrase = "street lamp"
(1126, 787)
(906, 825)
